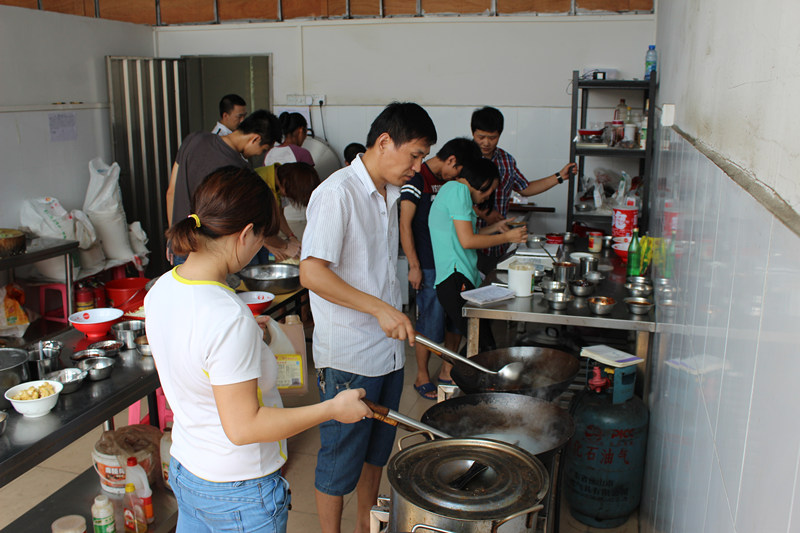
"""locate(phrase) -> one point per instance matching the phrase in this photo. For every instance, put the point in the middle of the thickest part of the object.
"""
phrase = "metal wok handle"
(534, 509)
(417, 527)
(444, 353)
(393, 418)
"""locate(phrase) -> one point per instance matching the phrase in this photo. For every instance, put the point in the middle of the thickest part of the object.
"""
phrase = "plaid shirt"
(510, 179)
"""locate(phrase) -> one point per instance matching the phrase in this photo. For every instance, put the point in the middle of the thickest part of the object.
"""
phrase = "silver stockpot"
(423, 496)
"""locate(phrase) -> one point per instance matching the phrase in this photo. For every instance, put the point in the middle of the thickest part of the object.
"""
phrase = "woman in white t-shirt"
(295, 130)
(218, 374)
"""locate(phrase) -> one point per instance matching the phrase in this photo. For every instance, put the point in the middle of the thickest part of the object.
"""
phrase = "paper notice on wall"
(63, 126)
(290, 371)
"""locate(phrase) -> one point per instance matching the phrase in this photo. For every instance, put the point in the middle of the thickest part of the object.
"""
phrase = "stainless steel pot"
(507, 493)
(277, 278)
(13, 371)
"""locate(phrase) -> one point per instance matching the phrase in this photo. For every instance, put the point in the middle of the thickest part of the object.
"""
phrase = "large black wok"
(535, 425)
(546, 373)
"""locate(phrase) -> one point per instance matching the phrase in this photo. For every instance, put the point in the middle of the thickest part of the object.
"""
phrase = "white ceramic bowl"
(38, 407)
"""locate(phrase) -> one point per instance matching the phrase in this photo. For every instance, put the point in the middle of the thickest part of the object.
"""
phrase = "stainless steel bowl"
(638, 306)
(127, 331)
(581, 208)
(87, 354)
(552, 286)
(97, 367)
(601, 305)
(558, 300)
(642, 280)
(111, 348)
(639, 290)
(71, 378)
(143, 346)
(569, 237)
(277, 278)
(581, 287)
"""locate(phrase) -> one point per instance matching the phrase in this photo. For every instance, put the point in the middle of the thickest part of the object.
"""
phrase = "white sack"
(90, 249)
(138, 239)
(45, 217)
(103, 204)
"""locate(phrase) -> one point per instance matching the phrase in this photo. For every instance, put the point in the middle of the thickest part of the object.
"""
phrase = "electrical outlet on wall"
(296, 99)
(319, 99)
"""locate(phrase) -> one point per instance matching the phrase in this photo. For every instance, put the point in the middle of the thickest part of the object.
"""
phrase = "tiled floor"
(24, 492)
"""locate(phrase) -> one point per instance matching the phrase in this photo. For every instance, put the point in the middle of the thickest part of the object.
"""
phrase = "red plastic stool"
(164, 414)
(56, 315)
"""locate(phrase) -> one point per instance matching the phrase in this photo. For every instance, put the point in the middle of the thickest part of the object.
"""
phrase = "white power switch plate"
(318, 99)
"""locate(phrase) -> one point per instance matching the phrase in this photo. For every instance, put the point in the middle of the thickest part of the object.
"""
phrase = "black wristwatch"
(559, 178)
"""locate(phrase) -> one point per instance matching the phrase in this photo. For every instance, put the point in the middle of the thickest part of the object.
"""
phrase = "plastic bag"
(103, 204)
(45, 217)
(138, 239)
(130, 441)
(90, 249)
(13, 319)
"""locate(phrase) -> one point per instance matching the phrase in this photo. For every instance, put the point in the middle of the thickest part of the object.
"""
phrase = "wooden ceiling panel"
(83, 8)
(365, 8)
(615, 5)
(451, 6)
(137, 11)
(399, 7)
(305, 9)
(337, 8)
(30, 4)
(247, 10)
(187, 11)
(533, 6)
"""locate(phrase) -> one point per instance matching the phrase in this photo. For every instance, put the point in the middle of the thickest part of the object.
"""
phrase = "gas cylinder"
(604, 464)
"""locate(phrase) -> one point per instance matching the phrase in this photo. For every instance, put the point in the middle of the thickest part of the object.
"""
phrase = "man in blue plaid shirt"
(487, 125)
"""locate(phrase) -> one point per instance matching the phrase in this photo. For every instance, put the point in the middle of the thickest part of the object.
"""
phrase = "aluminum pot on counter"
(13, 371)
(424, 496)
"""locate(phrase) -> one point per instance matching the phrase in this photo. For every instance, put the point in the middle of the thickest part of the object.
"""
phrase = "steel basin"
(277, 278)
(13, 371)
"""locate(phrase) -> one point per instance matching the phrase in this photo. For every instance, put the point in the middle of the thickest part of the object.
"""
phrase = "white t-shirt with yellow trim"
(201, 334)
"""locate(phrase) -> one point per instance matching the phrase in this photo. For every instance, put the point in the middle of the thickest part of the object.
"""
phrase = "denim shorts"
(260, 504)
(346, 447)
(430, 313)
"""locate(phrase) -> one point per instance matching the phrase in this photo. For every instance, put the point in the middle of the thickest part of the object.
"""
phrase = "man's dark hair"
(228, 102)
(352, 150)
(462, 148)
(404, 122)
(487, 119)
(263, 123)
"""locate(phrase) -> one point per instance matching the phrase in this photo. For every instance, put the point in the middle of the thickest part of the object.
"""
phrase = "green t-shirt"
(452, 202)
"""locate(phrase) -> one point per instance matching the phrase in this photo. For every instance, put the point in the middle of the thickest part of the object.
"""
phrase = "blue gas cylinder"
(604, 463)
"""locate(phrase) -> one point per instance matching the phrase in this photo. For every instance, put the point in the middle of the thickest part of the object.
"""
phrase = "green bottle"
(634, 254)
(669, 260)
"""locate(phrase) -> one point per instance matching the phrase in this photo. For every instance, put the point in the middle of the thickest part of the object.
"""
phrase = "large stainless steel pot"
(13, 371)
(537, 426)
(546, 372)
(507, 493)
(277, 278)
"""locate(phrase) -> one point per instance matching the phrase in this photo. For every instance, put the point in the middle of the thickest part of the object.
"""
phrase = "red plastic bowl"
(621, 249)
(95, 322)
(257, 301)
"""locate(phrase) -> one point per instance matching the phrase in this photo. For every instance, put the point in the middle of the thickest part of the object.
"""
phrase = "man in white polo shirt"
(349, 263)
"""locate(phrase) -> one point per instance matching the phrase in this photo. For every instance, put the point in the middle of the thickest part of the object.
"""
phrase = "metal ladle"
(540, 241)
(510, 372)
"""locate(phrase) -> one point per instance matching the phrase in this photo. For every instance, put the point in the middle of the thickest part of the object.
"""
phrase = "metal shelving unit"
(578, 152)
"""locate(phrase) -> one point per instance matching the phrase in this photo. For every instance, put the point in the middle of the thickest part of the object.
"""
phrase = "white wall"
(732, 68)
(45, 58)
(523, 65)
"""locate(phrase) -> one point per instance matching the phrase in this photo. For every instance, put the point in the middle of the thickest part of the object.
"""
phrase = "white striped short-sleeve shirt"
(351, 226)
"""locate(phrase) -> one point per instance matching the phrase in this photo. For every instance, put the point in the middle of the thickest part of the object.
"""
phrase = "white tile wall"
(724, 445)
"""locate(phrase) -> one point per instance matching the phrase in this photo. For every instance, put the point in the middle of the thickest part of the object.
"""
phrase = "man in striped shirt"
(348, 264)
(487, 125)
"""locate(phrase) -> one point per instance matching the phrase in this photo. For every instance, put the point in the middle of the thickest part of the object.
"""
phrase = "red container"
(99, 297)
(625, 219)
(554, 238)
(125, 291)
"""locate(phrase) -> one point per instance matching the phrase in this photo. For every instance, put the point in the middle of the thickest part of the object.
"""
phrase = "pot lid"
(514, 480)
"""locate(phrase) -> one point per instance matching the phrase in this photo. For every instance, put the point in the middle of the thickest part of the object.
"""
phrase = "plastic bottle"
(621, 111)
(103, 515)
(136, 475)
(166, 444)
(135, 521)
(669, 260)
(634, 254)
(650, 61)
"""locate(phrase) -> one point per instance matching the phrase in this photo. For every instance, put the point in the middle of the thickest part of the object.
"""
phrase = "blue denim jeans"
(254, 505)
(430, 313)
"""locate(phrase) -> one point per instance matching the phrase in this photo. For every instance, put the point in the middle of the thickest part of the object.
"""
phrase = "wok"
(546, 372)
(535, 425)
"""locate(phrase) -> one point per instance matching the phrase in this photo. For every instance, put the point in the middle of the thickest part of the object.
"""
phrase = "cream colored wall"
(732, 69)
